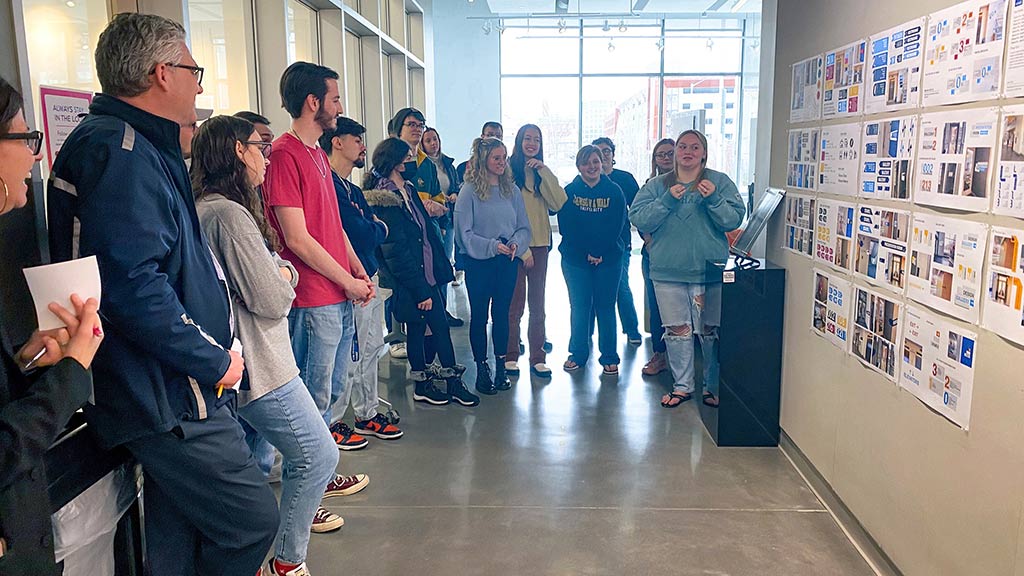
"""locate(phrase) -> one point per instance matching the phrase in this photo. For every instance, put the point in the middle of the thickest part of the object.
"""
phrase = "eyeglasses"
(265, 147)
(196, 71)
(34, 139)
(606, 151)
(663, 155)
(414, 125)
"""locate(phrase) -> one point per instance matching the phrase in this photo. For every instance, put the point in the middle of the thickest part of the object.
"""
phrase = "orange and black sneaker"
(380, 427)
(346, 438)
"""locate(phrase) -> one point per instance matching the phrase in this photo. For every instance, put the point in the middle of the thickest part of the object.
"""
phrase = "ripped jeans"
(688, 309)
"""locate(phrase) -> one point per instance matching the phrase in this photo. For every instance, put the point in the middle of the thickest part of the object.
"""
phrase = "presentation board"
(946, 260)
(954, 159)
(887, 159)
(802, 163)
(895, 61)
(937, 364)
(800, 216)
(843, 83)
(1009, 179)
(1004, 287)
(881, 246)
(877, 319)
(964, 53)
(834, 227)
(839, 159)
(830, 316)
(805, 92)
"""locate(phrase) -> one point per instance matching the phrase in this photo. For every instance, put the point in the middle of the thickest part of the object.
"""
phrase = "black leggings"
(490, 284)
(441, 340)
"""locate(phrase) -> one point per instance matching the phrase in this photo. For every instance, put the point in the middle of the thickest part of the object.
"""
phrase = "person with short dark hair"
(346, 151)
(167, 375)
(625, 181)
(262, 127)
(490, 129)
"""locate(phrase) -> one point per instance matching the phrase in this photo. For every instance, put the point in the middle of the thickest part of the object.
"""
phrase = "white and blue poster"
(1009, 195)
(887, 161)
(946, 260)
(895, 60)
(834, 233)
(839, 159)
(881, 246)
(956, 159)
(805, 91)
(1004, 287)
(844, 81)
(799, 230)
(877, 319)
(830, 317)
(802, 159)
(963, 59)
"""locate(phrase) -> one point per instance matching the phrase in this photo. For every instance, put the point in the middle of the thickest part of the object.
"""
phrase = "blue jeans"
(624, 299)
(322, 344)
(288, 419)
(592, 293)
(657, 330)
(688, 309)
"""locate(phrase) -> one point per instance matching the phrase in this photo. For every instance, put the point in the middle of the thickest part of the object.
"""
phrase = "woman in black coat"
(413, 264)
(41, 385)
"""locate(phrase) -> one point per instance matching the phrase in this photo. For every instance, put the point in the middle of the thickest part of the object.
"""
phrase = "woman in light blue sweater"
(687, 213)
(493, 230)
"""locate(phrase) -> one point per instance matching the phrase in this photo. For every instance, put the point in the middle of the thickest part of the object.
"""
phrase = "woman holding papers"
(41, 385)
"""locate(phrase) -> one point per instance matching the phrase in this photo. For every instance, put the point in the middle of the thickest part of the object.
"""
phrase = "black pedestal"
(750, 353)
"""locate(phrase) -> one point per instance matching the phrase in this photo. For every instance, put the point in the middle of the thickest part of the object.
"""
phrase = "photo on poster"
(834, 233)
(954, 159)
(805, 93)
(1009, 195)
(887, 159)
(1004, 287)
(799, 230)
(843, 83)
(963, 59)
(876, 327)
(802, 159)
(947, 256)
(839, 159)
(937, 364)
(895, 61)
(1013, 84)
(830, 315)
(880, 246)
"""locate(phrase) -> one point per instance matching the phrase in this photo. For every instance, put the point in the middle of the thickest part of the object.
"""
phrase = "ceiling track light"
(501, 26)
(486, 27)
(611, 46)
(606, 27)
(710, 44)
(561, 25)
(660, 43)
(622, 26)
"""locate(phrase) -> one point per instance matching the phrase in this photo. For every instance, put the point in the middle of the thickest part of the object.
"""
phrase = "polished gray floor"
(579, 474)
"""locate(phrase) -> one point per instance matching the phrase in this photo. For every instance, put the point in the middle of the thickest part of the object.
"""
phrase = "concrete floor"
(579, 474)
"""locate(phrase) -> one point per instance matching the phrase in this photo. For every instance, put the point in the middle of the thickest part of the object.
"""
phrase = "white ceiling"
(625, 6)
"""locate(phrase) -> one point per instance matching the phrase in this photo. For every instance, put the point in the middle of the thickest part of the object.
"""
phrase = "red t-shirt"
(300, 177)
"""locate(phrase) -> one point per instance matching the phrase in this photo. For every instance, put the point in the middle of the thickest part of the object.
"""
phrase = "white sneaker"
(300, 570)
(398, 350)
(326, 521)
(541, 369)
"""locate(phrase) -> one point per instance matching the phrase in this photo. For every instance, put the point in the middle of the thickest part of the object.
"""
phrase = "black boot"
(484, 384)
(425, 391)
(458, 393)
(501, 381)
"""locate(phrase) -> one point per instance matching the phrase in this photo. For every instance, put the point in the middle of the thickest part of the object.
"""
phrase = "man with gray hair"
(165, 378)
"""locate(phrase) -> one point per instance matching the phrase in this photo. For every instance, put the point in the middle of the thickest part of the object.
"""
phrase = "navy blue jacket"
(629, 187)
(365, 233)
(166, 314)
(588, 221)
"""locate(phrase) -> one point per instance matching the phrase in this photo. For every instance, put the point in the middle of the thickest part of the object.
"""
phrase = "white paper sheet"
(955, 159)
(946, 260)
(1004, 287)
(877, 319)
(1009, 195)
(964, 53)
(1014, 76)
(937, 364)
(830, 317)
(881, 246)
(834, 233)
(800, 217)
(805, 91)
(887, 159)
(57, 282)
(843, 84)
(839, 159)
(802, 159)
(895, 61)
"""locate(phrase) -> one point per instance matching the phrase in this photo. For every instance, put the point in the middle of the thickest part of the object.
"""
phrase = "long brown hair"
(217, 169)
(476, 170)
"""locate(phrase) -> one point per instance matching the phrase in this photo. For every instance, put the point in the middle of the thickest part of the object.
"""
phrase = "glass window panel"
(551, 104)
(699, 92)
(303, 40)
(540, 50)
(615, 52)
(218, 36)
(625, 110)
(703, 54)
(354, 77)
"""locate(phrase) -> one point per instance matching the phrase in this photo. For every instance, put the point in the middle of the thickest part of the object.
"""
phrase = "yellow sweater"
(551, 198)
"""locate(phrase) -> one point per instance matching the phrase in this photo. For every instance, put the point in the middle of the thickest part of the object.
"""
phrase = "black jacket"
(401, 254)
(165, 308)
(33, 410)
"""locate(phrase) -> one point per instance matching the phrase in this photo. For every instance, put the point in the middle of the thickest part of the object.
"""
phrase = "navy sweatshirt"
(591, 221)
(629, 187)
(365, 233)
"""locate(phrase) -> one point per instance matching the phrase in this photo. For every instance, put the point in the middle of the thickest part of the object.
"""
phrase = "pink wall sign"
(62, 111)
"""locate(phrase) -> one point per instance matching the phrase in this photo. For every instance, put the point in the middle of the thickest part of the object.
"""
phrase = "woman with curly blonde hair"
(493, 229)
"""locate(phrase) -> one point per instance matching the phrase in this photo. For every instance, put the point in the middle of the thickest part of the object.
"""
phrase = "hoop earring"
(7, 195)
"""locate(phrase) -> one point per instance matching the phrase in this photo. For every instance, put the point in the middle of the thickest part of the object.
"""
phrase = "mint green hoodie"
(686, 232)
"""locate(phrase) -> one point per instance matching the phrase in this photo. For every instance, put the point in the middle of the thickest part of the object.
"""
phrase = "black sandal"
(708, 396)
(681, 397)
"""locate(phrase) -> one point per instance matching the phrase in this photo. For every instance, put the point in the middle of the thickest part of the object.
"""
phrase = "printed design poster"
(831, 315)
(880, 246)
(799, 233)
(805, 96)
(887, 162)
(946, 260)
(937, 364)
(1004, 288)
(963, 57)
(834, 230)
(839, 159)
(895, 60)
(955, 159)
(844, 81)
(1009, 196)
(62, 110)
(802, 163)
(876, 327)
(1014, 69)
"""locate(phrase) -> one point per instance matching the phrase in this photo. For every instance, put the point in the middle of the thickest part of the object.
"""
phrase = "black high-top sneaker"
(501, 381)
(458, 393)
(484, 384)
(425, 391)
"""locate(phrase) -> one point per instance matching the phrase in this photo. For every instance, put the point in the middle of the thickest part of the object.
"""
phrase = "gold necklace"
(323, 173)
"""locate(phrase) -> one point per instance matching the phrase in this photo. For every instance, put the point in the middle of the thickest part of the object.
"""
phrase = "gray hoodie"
(262, 298)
